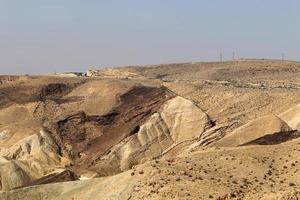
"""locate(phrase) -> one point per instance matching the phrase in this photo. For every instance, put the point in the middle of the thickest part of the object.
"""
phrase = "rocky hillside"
(182, 131)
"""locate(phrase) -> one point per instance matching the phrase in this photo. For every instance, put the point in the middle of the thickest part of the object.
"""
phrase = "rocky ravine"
(144, 123)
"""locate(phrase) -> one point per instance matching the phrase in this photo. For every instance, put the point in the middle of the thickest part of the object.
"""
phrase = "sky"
(44, 36)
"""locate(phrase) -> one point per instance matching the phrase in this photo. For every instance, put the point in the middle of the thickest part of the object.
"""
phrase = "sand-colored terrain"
(218, 130)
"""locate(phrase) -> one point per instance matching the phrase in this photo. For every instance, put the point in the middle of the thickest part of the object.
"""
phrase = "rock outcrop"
(254, 130)
(122, 73)
(28, 159)
(15, 174)
(292, 117)
(55, 177)
(184, 119)
(59, 128)
(6, 79)
(177, 121)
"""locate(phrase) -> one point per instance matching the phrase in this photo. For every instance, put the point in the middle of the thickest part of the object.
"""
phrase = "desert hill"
(217, 130)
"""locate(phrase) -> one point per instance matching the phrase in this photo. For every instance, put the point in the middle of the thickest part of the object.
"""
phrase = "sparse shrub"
(292, 184)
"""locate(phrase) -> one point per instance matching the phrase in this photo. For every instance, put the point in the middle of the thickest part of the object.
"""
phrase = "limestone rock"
(38, 150)
(151, 140)
(178, 120)
(29, 145)
(254, 130)
(15, 174)
(184, 119)
(28, 159)
(292, 117)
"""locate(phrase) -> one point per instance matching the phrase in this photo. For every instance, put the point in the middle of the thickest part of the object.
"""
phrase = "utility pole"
(233, 55)
(282, 57)
(221, 56)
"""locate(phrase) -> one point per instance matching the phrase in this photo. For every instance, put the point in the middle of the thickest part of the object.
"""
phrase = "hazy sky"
(40, 36)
